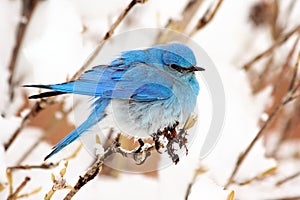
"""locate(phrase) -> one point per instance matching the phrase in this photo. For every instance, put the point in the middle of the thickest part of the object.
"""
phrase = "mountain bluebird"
(149, 89)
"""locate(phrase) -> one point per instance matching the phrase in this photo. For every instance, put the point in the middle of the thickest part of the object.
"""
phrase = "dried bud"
(263, 12)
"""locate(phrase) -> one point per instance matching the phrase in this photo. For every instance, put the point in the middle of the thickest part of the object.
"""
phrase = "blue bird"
(149, 90)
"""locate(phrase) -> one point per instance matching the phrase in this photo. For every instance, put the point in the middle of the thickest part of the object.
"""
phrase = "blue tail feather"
(63, 87)
(39, 86)
(75, 134)
(96, 115)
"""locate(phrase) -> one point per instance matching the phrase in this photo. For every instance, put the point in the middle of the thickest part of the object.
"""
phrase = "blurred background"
(254, 45)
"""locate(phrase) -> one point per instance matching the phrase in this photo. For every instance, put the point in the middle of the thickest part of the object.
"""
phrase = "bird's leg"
(141, 143)
(171, 134)
(172, 129)
(174, 137)
(139, 155)
(183, 140)
(157, 143)
(180, 137)
(171, 152)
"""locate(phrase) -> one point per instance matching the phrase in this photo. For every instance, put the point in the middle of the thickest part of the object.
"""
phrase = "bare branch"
(42, 138)
(108, 35)
(207, 17)
(289, 97)
(94, 170)
(253, 142)
(45, 165)
(260, 176)
(29, 167)
(198, 171)
(293, 176)
(287, 198)
(39, 106)
(35, 191)
(28, 7)
(267, 52)
(14, 195)
(292, 84)
(58, 183)
(187, 14)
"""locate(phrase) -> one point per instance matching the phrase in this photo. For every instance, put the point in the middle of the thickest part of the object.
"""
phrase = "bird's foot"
(140, 156)
(157, 141)
(173, 138)
(182, 140)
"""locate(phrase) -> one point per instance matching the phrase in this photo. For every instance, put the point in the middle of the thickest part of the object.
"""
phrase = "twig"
(197, 172)
(288, 13)
(260, 176)
(28, 7)
(289, 97)
(9, 171)
(283, 135)
(288, 198)
(275, 27)
(94, 170)
(207, 17)
(45, 165)
(263, 78)
(246, 152)
(37, 107)
(10, 181)
(267, 52)
(41, 138)
(187, 14)
(291, 177)
(28, 167)
(14, 195)
(29, 193)
(139, 155)
(108, 35)
(296, 69)
(58, 183)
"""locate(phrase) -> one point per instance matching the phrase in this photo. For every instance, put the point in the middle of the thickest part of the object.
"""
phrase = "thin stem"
(293, 176)
(39, 106)
(267, 52)
(94, 170)
(21, 186)
(253, 142)
(207, 17)
(197, 172)
(187, 14)
(108, 35)
(28, 167)
(289, 97)
(28, 7)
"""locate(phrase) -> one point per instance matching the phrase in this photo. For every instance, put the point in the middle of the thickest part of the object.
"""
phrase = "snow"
(205, 187)
(63, 33)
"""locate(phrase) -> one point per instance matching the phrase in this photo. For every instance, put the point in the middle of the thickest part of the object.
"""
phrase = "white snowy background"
(55, 47)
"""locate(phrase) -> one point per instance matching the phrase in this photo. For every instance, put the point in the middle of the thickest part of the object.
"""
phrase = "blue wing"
(152, 92)
(137, 81)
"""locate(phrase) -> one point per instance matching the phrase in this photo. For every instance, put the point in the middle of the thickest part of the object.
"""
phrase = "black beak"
(198, 68)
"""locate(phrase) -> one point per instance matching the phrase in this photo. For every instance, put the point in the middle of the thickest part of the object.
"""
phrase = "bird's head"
(179, 57)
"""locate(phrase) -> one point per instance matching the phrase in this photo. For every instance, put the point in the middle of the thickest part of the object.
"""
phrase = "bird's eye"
(176, 67)
(181, 69)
